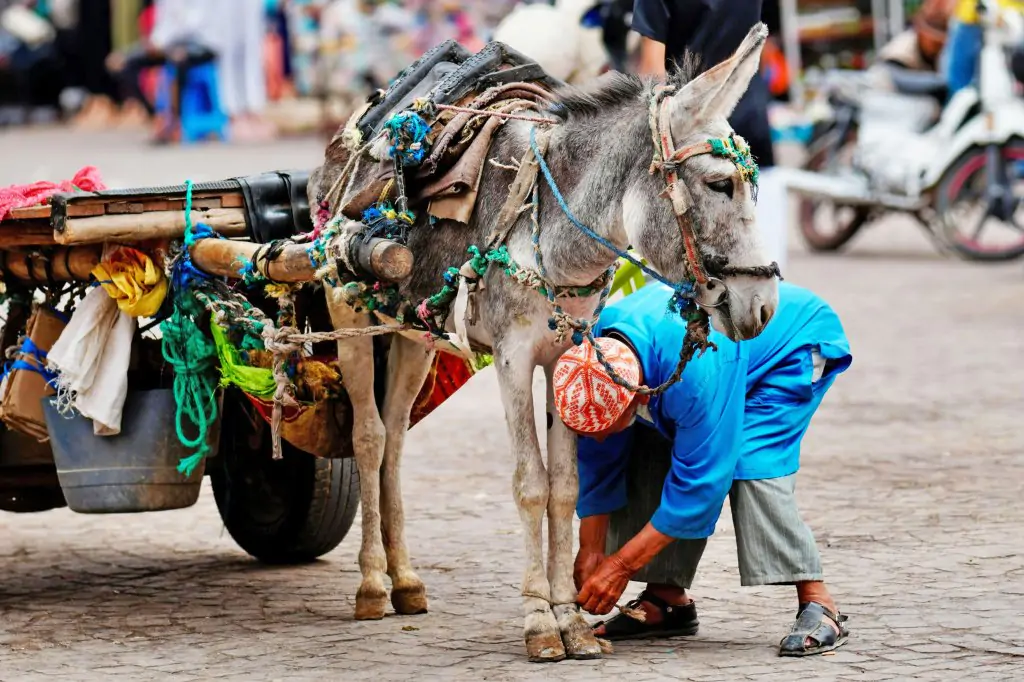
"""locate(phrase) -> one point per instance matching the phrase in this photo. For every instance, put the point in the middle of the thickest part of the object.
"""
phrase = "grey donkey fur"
(600, 154)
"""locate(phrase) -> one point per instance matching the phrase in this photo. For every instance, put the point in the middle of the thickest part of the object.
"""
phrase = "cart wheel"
(291, 510)
(824, 225)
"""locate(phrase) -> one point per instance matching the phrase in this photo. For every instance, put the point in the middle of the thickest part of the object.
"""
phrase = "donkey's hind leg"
(355, 360)
(530, 489)
(408, 365)
(563, 481)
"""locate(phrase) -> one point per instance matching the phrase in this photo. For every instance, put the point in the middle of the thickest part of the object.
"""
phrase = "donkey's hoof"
(577, 635)
(409, 600)
(545, 648)
(543, 641)
(371, 603)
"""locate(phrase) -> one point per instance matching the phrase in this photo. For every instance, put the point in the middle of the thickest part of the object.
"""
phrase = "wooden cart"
(291, 509)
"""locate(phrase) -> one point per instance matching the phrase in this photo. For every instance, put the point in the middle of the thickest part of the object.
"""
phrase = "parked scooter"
(894, 143)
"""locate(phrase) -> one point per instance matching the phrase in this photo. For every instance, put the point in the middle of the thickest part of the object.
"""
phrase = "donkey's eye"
(722, 187)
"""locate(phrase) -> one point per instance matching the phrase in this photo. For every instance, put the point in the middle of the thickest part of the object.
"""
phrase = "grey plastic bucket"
(134, 471)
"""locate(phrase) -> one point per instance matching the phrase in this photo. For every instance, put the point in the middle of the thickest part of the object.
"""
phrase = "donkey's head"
(707, 231)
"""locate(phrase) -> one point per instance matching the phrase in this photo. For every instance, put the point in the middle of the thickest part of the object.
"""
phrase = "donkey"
(600, 155)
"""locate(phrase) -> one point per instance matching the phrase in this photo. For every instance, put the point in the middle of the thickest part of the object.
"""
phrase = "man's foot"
(817, 629)
(252, 129)
(659, 619)
(97, 112)
(133, 116)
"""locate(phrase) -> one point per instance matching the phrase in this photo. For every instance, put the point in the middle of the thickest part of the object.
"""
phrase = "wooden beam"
(27, 232)
(383, 258)
(129, 227)
(65, 264)
(225, 257)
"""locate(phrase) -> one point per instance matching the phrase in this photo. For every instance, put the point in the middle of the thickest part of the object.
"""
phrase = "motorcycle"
(893, 143)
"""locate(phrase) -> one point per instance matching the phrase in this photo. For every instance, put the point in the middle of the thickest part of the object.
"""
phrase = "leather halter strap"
(668, 159)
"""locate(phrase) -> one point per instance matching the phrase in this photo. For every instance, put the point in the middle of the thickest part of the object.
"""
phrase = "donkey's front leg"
(530, 489)
(355, 360)
(408, 364)
(563, 480)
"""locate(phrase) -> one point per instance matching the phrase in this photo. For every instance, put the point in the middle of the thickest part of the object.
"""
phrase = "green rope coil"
(192, 356)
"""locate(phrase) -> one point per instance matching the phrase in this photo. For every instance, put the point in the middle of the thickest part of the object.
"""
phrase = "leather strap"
(518, 192)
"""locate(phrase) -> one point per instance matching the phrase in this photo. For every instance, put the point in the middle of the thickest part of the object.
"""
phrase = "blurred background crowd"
(106, 63)
(247, 64)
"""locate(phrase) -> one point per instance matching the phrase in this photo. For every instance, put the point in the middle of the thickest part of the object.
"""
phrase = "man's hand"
(604, 587)
(587, 561)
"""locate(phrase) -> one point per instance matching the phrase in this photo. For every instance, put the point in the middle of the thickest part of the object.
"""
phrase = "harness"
(668, 159)
(702, 269)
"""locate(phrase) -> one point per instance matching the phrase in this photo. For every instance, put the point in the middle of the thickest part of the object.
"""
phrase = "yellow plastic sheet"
(133, 280)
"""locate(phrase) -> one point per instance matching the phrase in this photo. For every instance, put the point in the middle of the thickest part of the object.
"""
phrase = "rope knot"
(280, 342)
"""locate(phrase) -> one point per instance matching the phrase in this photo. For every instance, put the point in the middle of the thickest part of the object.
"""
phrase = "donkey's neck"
(592, 163)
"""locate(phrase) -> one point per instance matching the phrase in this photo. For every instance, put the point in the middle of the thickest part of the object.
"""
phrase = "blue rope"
(184, 272)
(29, 348)
(683, 290)
(408, 134)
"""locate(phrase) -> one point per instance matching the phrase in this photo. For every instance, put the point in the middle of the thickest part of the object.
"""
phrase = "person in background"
(93, 42)
(240, 42)
(965, 39)
(277, 52)
(185, 34)
(714, 29)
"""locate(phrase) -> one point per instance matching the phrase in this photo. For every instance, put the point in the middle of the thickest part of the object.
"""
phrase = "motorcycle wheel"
(826, 226)
(961, 212)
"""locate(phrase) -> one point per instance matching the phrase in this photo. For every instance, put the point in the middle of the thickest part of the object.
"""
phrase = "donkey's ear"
(717, 91)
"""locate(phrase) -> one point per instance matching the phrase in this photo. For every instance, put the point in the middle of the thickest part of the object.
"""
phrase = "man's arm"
(652, 58)
(651, 21)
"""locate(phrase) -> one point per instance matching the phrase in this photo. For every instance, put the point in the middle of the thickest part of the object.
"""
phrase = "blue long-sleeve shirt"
(738, 412)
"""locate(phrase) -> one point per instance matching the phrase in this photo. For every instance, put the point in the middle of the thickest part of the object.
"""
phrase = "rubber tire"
(287, 511)
(943, 205)
(816, 241)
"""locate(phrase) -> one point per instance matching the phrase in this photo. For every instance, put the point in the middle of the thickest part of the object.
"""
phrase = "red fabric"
(447, 375)
(21, 196)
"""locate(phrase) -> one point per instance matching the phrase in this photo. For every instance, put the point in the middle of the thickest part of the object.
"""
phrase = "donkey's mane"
(615, 90)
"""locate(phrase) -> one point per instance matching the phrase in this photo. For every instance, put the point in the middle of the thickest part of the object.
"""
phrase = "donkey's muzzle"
(748, 319)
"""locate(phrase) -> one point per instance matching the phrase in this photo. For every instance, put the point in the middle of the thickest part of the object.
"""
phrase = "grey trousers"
(774, 545)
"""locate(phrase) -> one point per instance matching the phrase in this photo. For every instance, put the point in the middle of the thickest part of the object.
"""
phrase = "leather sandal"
(676, 621)
(810, 624)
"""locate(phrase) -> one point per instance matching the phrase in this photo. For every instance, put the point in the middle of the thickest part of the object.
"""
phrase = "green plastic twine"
(192, 356)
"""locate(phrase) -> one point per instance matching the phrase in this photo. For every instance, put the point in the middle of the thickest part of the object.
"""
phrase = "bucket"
(134, 471)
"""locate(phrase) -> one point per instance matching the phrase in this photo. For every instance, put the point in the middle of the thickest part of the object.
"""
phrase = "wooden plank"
(29, 213)
(126, 207)
(86, 209)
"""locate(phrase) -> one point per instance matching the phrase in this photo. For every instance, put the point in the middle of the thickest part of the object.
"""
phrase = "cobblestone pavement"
(912, 480)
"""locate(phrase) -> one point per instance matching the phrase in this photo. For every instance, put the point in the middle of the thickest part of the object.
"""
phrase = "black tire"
(291, 510)
(846, 224)
(955, 192)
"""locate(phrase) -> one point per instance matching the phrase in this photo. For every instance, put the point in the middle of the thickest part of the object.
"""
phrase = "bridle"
(668, 159)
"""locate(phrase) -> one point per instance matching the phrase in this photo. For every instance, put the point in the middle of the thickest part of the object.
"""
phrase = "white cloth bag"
(91, 358)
